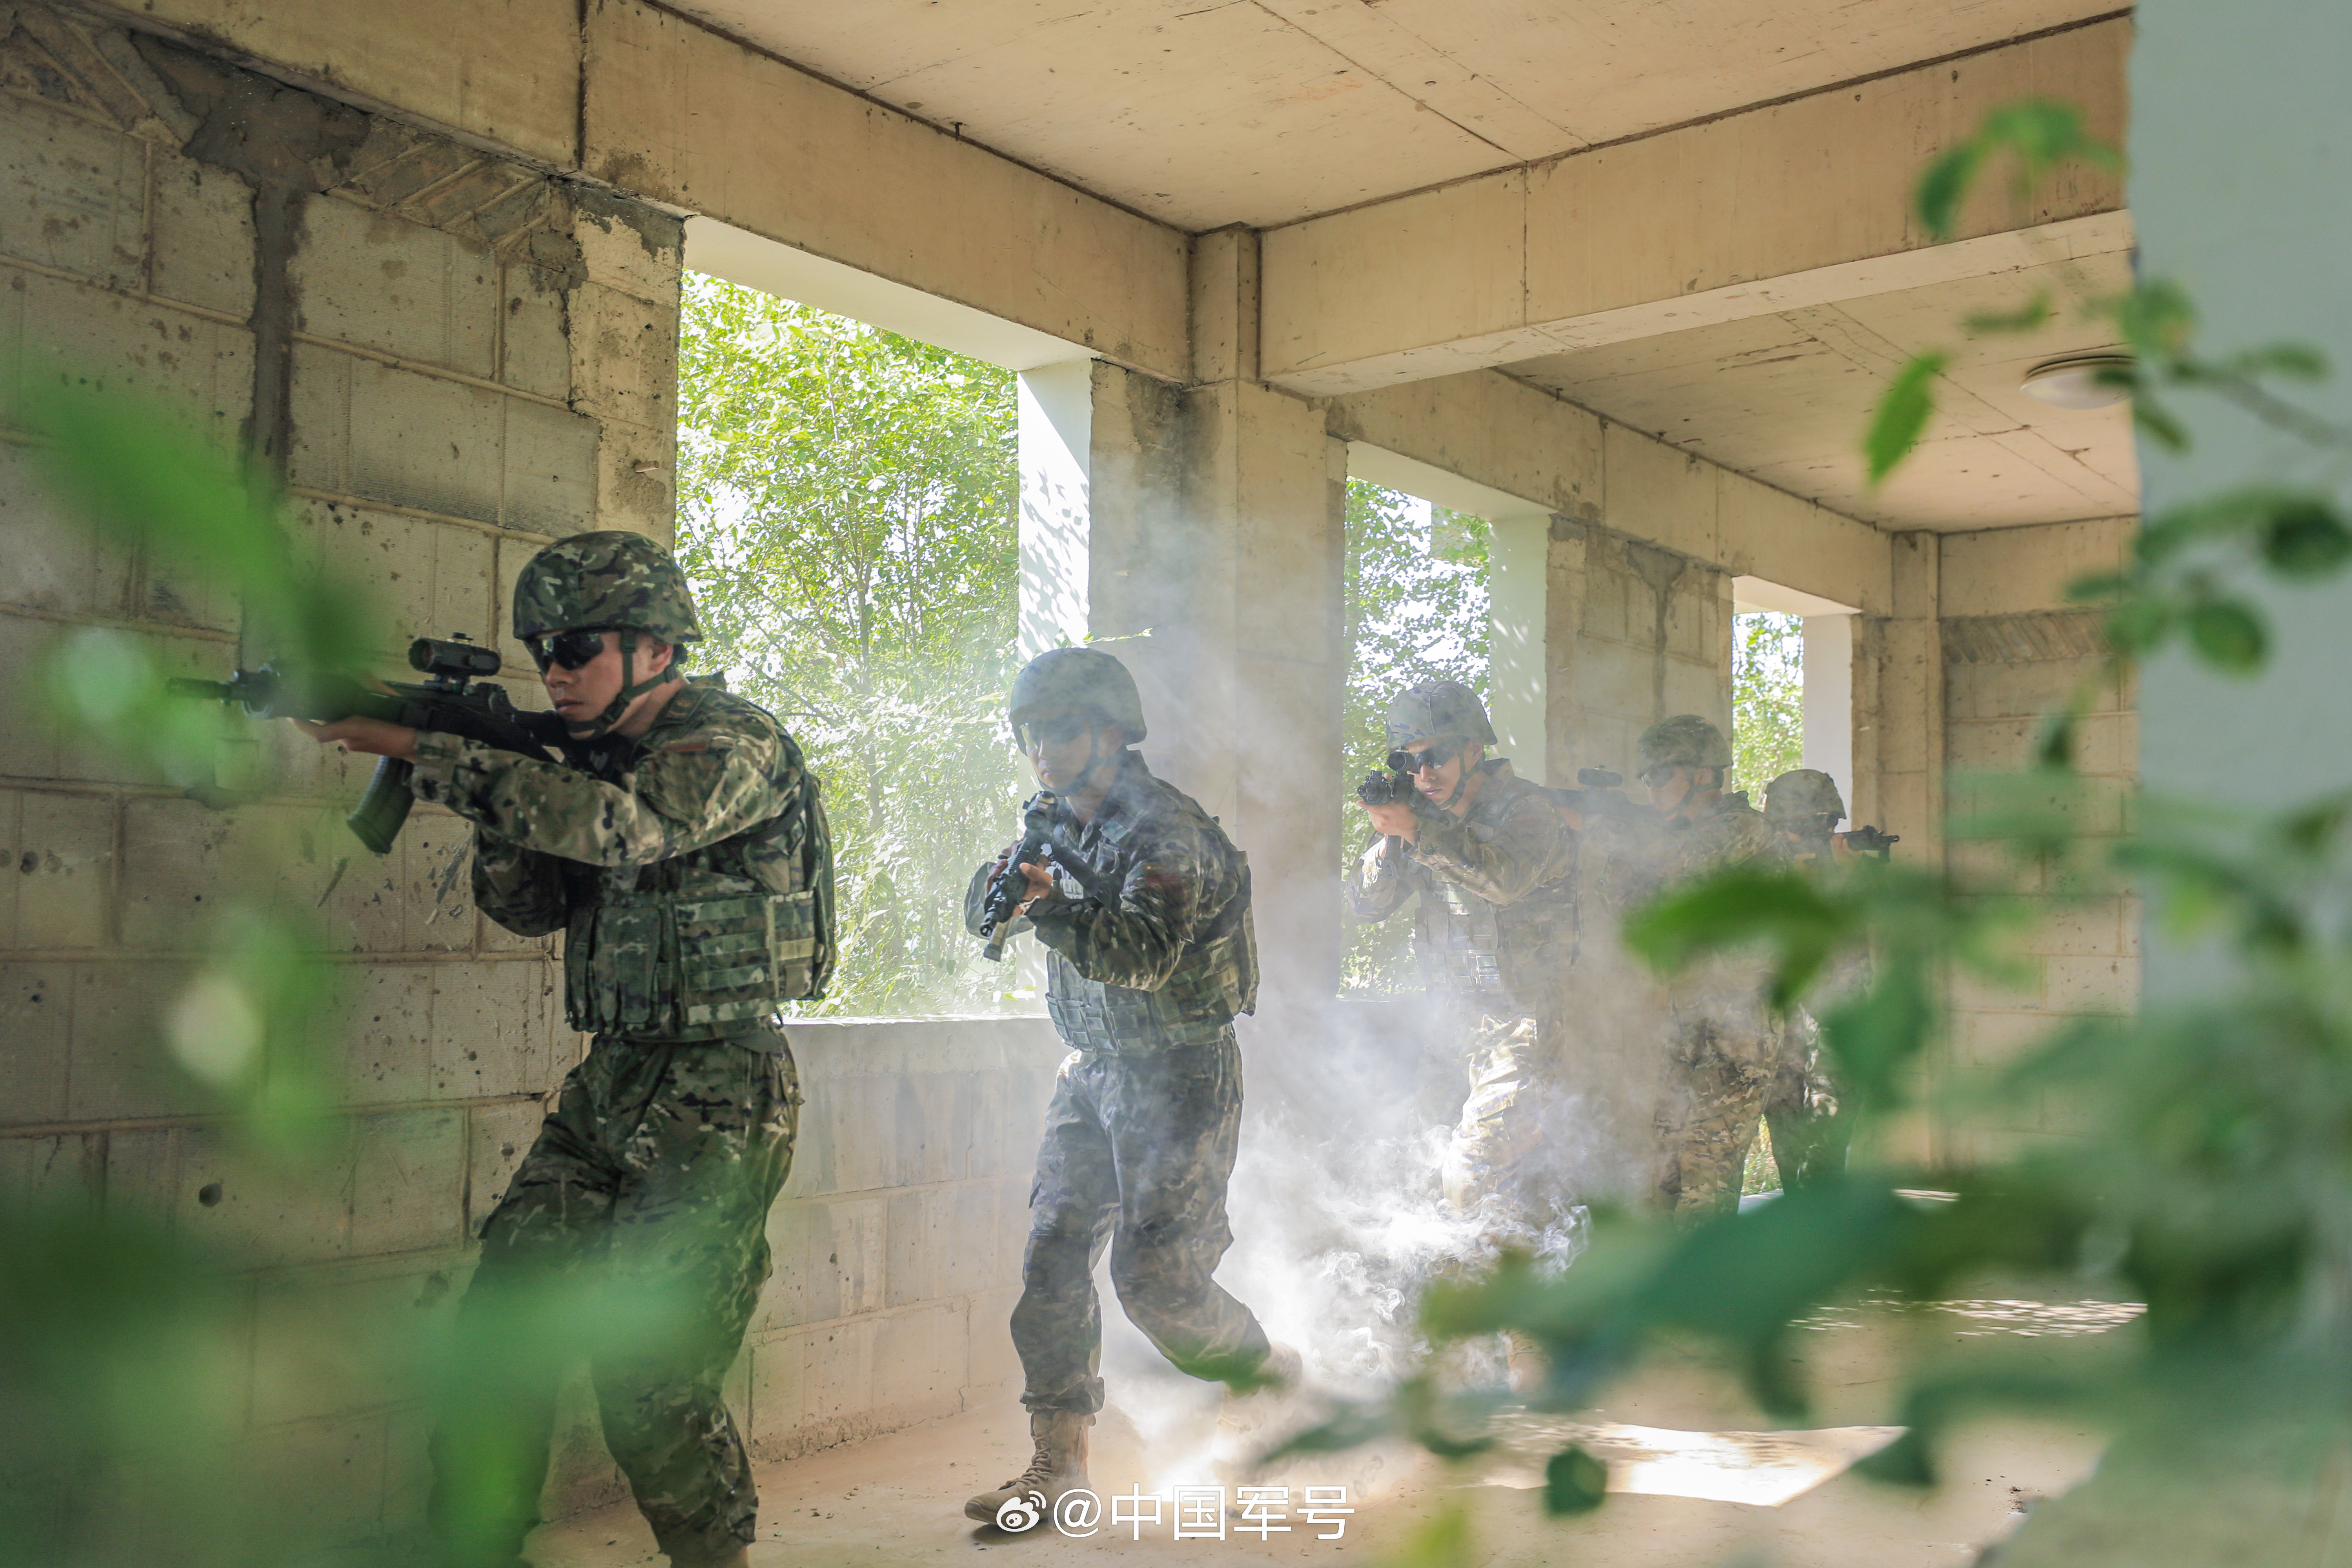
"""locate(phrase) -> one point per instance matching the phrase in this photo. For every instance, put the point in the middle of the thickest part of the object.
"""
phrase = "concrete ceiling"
(1209, 112)
(1786, 398)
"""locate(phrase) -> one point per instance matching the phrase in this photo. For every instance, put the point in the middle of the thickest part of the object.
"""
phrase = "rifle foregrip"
(382, 811)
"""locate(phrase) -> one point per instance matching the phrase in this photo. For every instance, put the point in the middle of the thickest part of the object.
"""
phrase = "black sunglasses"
(1658, 776)
(1436, 755)
(1058, 731)
(570, 649)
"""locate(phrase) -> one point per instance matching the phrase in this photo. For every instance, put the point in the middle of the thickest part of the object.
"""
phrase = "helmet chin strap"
(1094, 759)
(601, 725)
(1459, 785)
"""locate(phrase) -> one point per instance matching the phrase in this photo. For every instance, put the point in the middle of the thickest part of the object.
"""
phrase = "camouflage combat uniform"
(1801, 1097)
(1494, 934)
(1148, 961)
(1721, 1040)
(683, 867)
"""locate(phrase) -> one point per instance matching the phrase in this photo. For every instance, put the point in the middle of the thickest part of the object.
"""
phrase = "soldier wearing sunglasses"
(682, 850)
(1494, 866)
(1143, 907)
(1720, 1038)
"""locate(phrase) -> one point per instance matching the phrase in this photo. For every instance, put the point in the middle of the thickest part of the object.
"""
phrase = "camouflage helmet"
(1434, 709)
(607, 578)
(1683, 740)
(1799, 799)
(1083, 677)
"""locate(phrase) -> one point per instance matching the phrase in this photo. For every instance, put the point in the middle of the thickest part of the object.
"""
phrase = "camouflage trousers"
(1800, 1107)
(1137, 1151)
(1716, 1072)
(635, 1231)
(1509, 1150)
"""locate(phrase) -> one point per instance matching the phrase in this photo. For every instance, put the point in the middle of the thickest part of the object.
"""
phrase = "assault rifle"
(456, 698)
(1869, 840)
(1009, 889)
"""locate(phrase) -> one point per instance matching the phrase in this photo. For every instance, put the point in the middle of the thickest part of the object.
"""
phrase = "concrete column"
(1056, 424)
(1899, 751)
(1519, 582)
(1829, 699)
(1217, 549)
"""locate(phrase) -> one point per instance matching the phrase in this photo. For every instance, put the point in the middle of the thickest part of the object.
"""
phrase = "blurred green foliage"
(847, 514)
(2204, 1144)
(1768, 700)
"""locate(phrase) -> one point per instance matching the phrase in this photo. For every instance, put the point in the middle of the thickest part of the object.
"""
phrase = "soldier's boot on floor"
(1058, 1466)
(1526, 1365)
(1252, 1418)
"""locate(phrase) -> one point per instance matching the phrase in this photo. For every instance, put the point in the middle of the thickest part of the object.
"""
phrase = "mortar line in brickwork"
(861, 1192)
(190, 955)
(224, 318)
(495, 530)
(372, 959)
(786, 1330)
(439, 373)
(165, 791)
(172, 1123)
(117, 623)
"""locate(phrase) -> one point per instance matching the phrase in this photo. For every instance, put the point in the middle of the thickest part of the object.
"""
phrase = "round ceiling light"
(2080, 380)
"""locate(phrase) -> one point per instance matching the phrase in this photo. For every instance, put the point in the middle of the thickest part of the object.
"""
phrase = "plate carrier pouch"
(707, 944)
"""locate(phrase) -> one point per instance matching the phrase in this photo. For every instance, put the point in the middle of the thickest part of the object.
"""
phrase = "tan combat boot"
(1059, 1466)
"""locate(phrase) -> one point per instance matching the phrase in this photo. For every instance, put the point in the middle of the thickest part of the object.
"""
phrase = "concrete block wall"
(1634, 633)
(2012, 649)
(452, 358)
(898, 1243)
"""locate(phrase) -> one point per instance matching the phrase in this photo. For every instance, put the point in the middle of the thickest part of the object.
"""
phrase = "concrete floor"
(897, 1500)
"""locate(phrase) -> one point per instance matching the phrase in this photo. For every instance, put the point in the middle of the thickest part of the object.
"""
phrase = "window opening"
(1416, 610)
(846, 512)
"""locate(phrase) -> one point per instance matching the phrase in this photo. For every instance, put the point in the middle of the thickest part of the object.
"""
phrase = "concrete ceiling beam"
(673, 113)
(1794, 204)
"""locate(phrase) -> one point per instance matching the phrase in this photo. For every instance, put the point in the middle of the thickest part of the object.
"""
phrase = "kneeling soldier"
(1144, 911)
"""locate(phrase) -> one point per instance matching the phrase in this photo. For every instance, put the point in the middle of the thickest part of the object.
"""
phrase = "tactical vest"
(1500, 958)
(707, 944)
(1215, 979)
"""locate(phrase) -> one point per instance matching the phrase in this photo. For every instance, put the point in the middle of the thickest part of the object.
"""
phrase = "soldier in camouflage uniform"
(1493, 865)
(1144, 913)
(682, 850)
(1720, 1038)
(1800, 1100)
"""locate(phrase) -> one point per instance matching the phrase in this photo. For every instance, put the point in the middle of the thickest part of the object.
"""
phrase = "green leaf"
(1902, 416)
(2228, 634)
(1574, 1482)
(1442, 1542)
(2304, 537)
(2157, 424)
(2155, 317)
(1909, 1461)
(2093, 586)
(2029, 317)
(2055, 746)
(1944, 186)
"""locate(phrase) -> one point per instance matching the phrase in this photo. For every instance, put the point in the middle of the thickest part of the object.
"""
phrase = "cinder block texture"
(443, 320)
